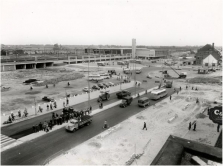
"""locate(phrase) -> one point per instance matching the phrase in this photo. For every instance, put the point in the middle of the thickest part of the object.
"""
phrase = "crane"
(181, 75)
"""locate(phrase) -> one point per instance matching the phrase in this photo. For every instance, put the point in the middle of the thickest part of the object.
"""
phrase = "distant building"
(208, 51)
(145, 53)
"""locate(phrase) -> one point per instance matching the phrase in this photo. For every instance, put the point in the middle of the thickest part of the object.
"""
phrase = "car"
(48, 99)
(111, 83)
(106, 85)
(100, 85)
(122, 94)
(149, 76)
(138, 71)
(95, 87)
(86, 89)
(30, 81)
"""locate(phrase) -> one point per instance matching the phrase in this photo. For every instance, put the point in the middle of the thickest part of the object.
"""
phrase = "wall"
(145, 53)
(9, 68)
(208, 61)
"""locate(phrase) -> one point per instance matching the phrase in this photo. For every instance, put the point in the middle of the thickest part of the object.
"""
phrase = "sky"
(111, 22)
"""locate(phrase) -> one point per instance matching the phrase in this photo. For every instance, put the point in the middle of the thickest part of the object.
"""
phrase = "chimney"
(213, 45)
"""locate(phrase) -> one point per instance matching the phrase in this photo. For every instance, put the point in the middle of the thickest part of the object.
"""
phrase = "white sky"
(83, 22)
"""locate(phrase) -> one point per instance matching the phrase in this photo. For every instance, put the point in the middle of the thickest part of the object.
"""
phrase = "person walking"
(68, 84)
(46, 86)
(67, 101)
(19, 113)
(55, 104)
(180, 88)
(197, 101)
(144, 126)
(170, 97)
(40, 126)
(186, 87)
(47, 107)
(189, 126)
(177, 92)
(37, 128)
(64, 104)
(31, 88)
(192, 88)
(51, 106)
(195, 125)
(34, 128)
(196, 89)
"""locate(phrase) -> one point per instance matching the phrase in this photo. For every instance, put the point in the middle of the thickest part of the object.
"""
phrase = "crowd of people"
(58, 119)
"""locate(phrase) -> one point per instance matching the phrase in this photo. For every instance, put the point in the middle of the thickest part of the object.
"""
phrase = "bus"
(101, 64)
(105, 75)
(120, 63)
(158, 93)
(95, 77)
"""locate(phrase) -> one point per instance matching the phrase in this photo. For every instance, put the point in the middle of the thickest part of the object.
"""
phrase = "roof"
(158, 91)
(174, 148)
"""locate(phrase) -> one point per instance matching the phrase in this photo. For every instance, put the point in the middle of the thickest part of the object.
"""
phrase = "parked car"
(111, 83)
(123, 93)
(106, 85)
(30, 81)
(86, 89)
(149, 76)
(48, 99)
(100, 85)
(95, 87)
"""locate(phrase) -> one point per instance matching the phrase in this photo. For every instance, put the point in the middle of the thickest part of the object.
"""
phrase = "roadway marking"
(5, 140)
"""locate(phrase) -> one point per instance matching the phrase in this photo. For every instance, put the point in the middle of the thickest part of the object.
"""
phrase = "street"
(37, 151)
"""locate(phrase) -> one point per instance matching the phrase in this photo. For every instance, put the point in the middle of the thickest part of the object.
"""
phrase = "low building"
(145, 53)
(210, 61)
(204, 52)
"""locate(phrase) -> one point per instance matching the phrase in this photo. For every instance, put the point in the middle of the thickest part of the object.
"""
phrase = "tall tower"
(133, 48)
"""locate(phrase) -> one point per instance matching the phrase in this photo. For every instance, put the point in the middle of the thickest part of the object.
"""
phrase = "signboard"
(215, 114)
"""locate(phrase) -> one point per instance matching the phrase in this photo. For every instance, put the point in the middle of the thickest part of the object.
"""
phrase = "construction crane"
(181, 75)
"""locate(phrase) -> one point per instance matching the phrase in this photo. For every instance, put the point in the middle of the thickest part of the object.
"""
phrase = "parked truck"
(75, 124)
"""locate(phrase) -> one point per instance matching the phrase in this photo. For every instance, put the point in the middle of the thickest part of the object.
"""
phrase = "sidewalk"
(73, 100)
(56, 127)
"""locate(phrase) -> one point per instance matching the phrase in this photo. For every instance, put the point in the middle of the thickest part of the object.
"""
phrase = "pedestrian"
(40, 109)
(10, 119)
(195, 125)
(218, 127)
(13, 117)
(51, 106)
(68, 84)
(34, 128)
(31, 88)
(144, 126)
(136, 83)
(37, 128)
(55, 104)
(101, 105)
(180, 88)
(40, 126)
(54, 85)
(55, 120)
(192, 88)
(53, 115)
(139, 84)
(64, 104)
(47, 107)
(67, 101)
(189, 126)
(186, 87)
(177, 91)
(19, 113)
(196, 89)
(25, 112)
(197, 101)
(170, 97)
(46, 86)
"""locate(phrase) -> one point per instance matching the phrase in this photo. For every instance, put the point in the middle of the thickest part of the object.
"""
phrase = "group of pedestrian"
(137, 84)
(12, 117)
(194, 124)
(196, 89)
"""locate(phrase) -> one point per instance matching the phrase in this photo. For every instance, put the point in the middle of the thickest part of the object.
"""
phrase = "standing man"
(189, 126)
(180, 88)
(170, 97)
(67, 101)
(195, 125)
(144, 126)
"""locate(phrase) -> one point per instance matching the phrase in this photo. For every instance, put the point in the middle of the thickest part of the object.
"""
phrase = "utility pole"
(35, 105)
(88, 86)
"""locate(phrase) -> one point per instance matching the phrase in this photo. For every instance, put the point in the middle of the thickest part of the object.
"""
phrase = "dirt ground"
(19, 96)
(117, 145)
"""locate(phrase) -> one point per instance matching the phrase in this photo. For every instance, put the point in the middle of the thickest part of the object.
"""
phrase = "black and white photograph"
(111, 82)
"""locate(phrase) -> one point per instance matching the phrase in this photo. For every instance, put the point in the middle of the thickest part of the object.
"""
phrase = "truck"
(75, 124)
(122, 94)
(104, 96)
(126, 101)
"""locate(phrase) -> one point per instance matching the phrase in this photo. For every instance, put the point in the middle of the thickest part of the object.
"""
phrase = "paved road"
(24, 128)
(37, 151)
